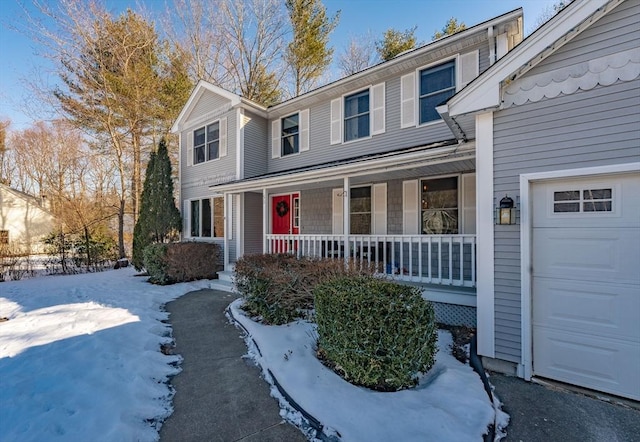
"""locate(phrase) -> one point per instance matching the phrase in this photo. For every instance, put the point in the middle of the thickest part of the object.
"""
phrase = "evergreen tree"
(450, 28)
(159, 217)
(396, 42)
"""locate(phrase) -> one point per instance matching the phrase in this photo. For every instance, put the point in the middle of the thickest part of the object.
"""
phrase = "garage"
(585, 244)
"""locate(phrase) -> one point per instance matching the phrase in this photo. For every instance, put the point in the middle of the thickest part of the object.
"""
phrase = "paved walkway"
(540, 413)
(219, 395)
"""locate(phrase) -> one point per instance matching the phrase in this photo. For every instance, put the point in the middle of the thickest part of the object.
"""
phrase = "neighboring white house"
(405, 164)
(557, 124)
(24, 221)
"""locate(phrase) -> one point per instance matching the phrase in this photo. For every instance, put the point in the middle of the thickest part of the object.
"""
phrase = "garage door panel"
(587, 254)
(601, 364)
(599, 309)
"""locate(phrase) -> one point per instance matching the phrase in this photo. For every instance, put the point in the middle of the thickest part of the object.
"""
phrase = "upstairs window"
(290, 135)
(356, 116)
(437, 84)
(206, 143)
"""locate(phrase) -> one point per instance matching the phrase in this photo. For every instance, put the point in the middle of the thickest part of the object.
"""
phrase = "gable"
(206, 103)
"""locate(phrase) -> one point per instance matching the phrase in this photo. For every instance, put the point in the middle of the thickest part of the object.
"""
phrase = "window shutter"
(304, 130)
(337, 219)
(380, 209)
(468, 68)
(190, 148)
(223, 137)
(408, 100)
(377, 105)
(410, 210)
(469, 203)
(186, 219)
(336, 121)
(275, 139)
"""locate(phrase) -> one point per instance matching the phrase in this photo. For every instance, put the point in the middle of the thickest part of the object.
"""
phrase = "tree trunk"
(136, 182)
(87, 244)
(121, 251)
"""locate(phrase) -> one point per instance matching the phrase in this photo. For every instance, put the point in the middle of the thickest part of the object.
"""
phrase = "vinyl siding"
(256, 145)
(589, 128)
(208, 102)
(252, 223)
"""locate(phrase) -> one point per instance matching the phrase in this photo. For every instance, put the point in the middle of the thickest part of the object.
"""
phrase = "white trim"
(484, 237)
(342, 117)
(239, 199)
(449, 298)
(525, 242)
(377, 100)
(303, 130)
(239, 143)
(266, 205)
(457, 75)
(227, 229)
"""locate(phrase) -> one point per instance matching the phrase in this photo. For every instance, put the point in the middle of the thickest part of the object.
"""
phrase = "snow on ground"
(80, 357)
(449, 403)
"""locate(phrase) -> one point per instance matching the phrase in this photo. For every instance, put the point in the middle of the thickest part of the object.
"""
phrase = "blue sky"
(358, 17)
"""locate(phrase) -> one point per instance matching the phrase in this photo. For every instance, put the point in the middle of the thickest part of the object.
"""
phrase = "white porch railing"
(434, 259)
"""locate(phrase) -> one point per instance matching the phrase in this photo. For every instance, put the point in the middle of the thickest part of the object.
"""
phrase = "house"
(557, 129)
(363, 167)
(404, 164)
(24, 221)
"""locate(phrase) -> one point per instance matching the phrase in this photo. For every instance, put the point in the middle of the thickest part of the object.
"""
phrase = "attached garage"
(585, 281)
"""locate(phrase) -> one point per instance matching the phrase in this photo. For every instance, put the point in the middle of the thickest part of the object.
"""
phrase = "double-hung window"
(360, 208)
(356, 116)
(290, 135)
(439, 201)
(437, 84)
(206, 143)
(207, 218)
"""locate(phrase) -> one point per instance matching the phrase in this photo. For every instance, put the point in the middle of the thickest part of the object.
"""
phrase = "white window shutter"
(304, 130)
(190, 136)
(502, 45)
(380, 209)
(410, 209)
(275, 139)
(377, 109)
(469, 203)
(336, 121)
(408, 100)
(337, 218)
(223, 137)
(186, 218)
(469, 67)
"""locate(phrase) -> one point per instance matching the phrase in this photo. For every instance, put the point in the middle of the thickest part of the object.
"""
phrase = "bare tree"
(359, 54)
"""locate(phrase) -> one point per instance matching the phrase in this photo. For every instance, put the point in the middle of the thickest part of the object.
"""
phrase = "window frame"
(359, 115)
(459, 203)
(370, 212)
(199, 221)
(613, 200)
(418, 96)
(296, 135)
(207, 142)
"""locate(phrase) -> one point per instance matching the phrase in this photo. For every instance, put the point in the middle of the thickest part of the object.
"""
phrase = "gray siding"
(256, 146)
(208, 102)
(252, 223)
(592, 128)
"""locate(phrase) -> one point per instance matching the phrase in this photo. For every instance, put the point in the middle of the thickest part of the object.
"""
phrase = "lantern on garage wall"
(506, 213)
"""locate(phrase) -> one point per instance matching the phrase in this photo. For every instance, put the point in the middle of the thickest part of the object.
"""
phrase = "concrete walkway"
(219, 395)
(541, 413)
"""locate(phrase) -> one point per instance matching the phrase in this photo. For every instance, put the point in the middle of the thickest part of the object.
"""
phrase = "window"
(356, 116)
(290, 135)
(4, 237)
(436, 85)
(207, 218)
(296, 213)
(360, 210)
(580, 201)
(439, 212)
(206, 143)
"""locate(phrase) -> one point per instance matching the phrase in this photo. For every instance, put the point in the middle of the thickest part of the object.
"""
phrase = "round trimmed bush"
(375, 333)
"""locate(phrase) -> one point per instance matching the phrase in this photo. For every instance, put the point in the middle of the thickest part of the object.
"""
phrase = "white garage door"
(586, 282)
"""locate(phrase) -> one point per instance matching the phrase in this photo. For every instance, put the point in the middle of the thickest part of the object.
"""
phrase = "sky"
(20, 61)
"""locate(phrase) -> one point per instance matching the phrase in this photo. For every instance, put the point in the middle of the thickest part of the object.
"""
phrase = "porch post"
(345, 215)
(265, 220)
(227, 229)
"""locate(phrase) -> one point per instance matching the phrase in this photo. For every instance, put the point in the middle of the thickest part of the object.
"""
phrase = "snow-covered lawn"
(449, 403)
(80, 357)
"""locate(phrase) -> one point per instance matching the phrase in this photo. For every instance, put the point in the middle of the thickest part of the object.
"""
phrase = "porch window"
(206, 143)
(436, 85)
(207, 218)
(290, 135)
(360, 210)
(439, 201)
(296, 213)
(356, 116)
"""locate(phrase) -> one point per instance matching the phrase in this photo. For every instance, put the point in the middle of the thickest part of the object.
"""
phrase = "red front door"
(284, 219)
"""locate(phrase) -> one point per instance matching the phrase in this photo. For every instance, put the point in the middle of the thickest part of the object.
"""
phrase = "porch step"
(224, 282)
(226, 276)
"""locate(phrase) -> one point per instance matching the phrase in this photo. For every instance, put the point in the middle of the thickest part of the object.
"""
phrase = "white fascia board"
(484, 92)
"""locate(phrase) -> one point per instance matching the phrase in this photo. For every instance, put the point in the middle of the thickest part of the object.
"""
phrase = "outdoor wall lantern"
(506, 213)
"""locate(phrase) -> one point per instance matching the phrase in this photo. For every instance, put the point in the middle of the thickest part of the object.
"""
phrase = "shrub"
(180, 262)
(278, 288)
(375, 333)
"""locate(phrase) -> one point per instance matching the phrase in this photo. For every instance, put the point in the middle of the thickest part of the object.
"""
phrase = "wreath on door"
(282, 208)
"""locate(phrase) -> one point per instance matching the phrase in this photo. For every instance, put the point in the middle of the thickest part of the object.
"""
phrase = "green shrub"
(180, 262)
(278, 288)
(375, 333)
